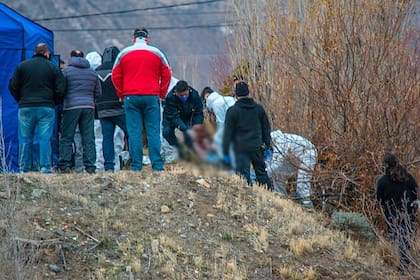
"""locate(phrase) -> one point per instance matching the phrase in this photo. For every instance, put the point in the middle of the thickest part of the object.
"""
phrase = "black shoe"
(90, 171)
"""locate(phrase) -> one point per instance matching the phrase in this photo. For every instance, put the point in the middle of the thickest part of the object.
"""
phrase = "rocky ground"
(189, 222)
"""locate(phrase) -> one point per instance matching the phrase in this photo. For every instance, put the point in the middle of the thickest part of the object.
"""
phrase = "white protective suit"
(219, 104)
(292, 153)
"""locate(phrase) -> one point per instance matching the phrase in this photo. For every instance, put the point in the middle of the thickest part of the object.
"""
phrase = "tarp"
(18, 39)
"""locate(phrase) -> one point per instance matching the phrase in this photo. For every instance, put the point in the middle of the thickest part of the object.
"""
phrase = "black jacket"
(108, 105)
(246, 127)
(183, 115)
(397, 197)
(37, 82)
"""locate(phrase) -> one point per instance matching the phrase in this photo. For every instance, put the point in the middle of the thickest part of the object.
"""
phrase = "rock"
(54, 268)
(165, 209)
(203, 183)
(155, 246)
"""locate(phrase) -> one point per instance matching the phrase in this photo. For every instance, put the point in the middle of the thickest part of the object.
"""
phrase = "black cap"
(141, 32)
(241, 89)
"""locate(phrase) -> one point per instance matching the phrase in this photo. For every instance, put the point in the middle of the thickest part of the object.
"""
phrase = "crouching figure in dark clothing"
(397, 193)
(247, 129)
(183, 109)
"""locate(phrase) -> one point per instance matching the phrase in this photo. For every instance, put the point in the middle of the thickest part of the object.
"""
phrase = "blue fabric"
(139, 110)
(108, 129)
(41, 120)
(18, 39)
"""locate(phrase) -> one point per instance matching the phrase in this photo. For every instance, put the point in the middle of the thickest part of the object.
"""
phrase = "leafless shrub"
(344, 74)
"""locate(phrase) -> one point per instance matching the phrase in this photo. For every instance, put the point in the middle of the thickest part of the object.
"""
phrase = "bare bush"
(344, 74)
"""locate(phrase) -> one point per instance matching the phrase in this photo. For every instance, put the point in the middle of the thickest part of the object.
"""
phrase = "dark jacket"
(37, 82)
(108, 105)
(246, 127)
(183, 115)
(83, 84)
(397, 197)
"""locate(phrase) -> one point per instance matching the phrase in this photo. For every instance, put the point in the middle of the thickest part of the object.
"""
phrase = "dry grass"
(111, 226)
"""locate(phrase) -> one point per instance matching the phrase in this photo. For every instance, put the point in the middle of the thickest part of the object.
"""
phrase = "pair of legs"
(243, 163)
(145, 109)
(109, 125)
(41, 120)
(85, 119)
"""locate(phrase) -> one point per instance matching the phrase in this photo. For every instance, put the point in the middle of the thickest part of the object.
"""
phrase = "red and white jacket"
(141, 69)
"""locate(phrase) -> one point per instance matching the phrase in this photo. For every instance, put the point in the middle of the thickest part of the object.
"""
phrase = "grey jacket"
(83, 85)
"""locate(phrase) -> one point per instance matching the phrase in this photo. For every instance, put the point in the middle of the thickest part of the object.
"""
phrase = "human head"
(182, 90)
(42, 49)
(62, 64)
(241, 89)
(110, 54)
(393, 167)
(94, 58)
(141, 33)
(206, 92)
(76, 53)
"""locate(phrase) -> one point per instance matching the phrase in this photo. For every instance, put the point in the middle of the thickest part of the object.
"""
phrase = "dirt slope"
(185, 223)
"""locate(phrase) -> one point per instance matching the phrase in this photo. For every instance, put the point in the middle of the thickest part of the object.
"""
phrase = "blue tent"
(18, 39)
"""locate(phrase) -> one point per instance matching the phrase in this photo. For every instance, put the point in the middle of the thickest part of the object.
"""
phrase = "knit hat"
(241, 89)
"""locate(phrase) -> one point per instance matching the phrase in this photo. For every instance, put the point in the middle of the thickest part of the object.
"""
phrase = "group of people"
(127, 90)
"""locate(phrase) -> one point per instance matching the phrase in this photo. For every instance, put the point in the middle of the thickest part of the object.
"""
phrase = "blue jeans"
(108, 130)
(41, 120)
(71, 118)
(145, 109)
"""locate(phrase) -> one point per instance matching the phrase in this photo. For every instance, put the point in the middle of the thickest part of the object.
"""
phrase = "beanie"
(140, 32)
(241, 89)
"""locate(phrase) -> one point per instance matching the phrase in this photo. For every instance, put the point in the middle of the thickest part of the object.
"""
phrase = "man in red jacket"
(141, 75)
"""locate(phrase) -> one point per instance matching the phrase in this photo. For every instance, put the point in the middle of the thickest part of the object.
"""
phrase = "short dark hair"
(181, 86)
(76, 53)
(42, 49)
(206, 90)
(141, 33)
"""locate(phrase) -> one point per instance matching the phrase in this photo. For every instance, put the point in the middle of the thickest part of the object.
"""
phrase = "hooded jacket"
(141, 69)
(246, 127)
(108, 105)
(37, 82)
(183, 115)
(83, 85)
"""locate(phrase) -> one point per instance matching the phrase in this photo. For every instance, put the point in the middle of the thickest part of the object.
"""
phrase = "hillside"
(185, 223)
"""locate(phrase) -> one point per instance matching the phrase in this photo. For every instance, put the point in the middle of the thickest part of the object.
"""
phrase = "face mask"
(183, 98)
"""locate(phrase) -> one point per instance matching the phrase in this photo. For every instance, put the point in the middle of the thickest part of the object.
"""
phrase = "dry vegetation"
(185, 223)
(343, 74)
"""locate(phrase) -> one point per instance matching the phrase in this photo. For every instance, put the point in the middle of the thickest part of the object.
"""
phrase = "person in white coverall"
(218, 105)
(292, 154)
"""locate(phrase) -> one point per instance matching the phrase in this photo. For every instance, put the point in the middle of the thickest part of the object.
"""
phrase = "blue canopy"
(18, 38)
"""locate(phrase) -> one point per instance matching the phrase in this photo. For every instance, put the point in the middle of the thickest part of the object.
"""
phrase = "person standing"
(141, 76)
(83, 87)
(37, 85)
(218, 105)
(247, 129)
(397, 192)
(109, 108)
(183, 109)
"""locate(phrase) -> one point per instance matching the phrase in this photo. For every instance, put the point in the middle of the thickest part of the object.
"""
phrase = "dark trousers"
(243, 162)
(401, 230)
(169, 134)
(85, 119)
(108, 129)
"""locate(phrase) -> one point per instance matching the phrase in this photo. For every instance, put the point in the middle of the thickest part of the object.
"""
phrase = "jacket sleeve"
(172, 114)
(14, 85)
(59, 86)
(117, 79)
(198, 117)
(228, 131)
(265, 128)
(165, 80)
(98, 88)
